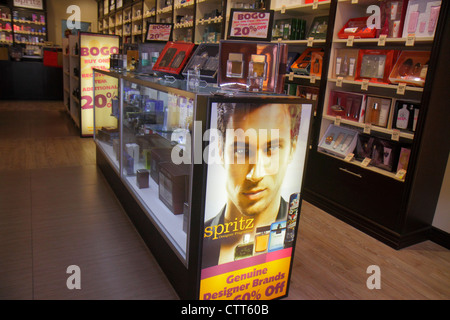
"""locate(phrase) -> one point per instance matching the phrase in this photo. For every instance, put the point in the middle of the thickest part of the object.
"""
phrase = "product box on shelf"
(345, 62)
(403, 159)
(291, 58)
(411, 68)
(383, 153)
(172, 185)
(173, 58)
(319, 27)
(307, 92)
(289, 29)
(349, 106)
(158, 156)
(338, 141)
(252, 66)
(375, 65)
(302, 65)
(142, 178)
(206, 60)
(357, 27)
(406, 114)
(421, 18)
(316, 63)
(392, 17)
(377, 111)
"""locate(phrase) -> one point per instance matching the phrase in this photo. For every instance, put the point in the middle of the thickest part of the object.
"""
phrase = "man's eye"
(272, 149)
(241, 151)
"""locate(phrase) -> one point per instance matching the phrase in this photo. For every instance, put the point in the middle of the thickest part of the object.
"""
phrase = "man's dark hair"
(226, 110)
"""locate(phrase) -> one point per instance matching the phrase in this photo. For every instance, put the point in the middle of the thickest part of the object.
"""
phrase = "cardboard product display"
(240, 61)
(173, 58)
(392, 17)
(347, 105)
(206, 59)
(316, 63)
(377, 111)
(406, 114)
(345, 63)
(411, 68)
(383, 153)
(319, 27)
(357, 27)
(421, 18)
(375, 65)
(302, 65)
(338, 141)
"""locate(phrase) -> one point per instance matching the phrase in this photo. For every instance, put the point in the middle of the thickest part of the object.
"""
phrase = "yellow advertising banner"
(95, 51)
(263, 277)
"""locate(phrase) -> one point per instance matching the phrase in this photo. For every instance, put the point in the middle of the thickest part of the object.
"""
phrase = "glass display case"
(165, 150)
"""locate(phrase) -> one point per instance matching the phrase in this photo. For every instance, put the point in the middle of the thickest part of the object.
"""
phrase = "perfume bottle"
(245, 249)
(255, 83)
(277, 235)
(375, 114)
(235, 67)
(262, 239)
(291, 219)
(402, 118)
(258, 66)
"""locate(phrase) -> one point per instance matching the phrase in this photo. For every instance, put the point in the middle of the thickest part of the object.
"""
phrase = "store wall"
(442, 215)
(56, 11)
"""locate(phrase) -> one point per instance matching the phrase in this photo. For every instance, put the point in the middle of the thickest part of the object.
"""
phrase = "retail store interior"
(86, 116)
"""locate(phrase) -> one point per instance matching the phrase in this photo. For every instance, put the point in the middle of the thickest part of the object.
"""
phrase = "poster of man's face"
(260, 152)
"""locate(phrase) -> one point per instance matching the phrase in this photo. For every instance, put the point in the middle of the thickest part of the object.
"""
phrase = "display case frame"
(183, 270)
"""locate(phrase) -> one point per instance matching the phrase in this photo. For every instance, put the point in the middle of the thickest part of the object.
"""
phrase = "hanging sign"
(248, 24)
(30, 4)
(159, 32)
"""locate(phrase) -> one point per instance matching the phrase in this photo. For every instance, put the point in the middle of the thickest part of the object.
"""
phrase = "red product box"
(357, 27)
(349, 106)
(375, 65)
(174, 57)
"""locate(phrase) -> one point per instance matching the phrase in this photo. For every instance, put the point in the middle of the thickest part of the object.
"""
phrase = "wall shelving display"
(367, 89)
(198, 21)
(25, 27)
(6, 29)
(294, 23)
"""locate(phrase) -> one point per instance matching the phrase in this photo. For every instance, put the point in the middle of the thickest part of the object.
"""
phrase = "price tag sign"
(410, 40)
(349, 157)
(159, 32)
(366, 162)
(312, 78)
(395, 134)
(350, 41)
(291, 76)
(310, 42)
(283, 9)
(337, 121)
(339, 81)
(401, 88)
(401, 174)
(367, 128)
(315, 4)
(382, 40)
(365, 85)
(249, 24)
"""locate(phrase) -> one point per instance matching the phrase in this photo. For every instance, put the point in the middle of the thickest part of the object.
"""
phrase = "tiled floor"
(57, 210)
